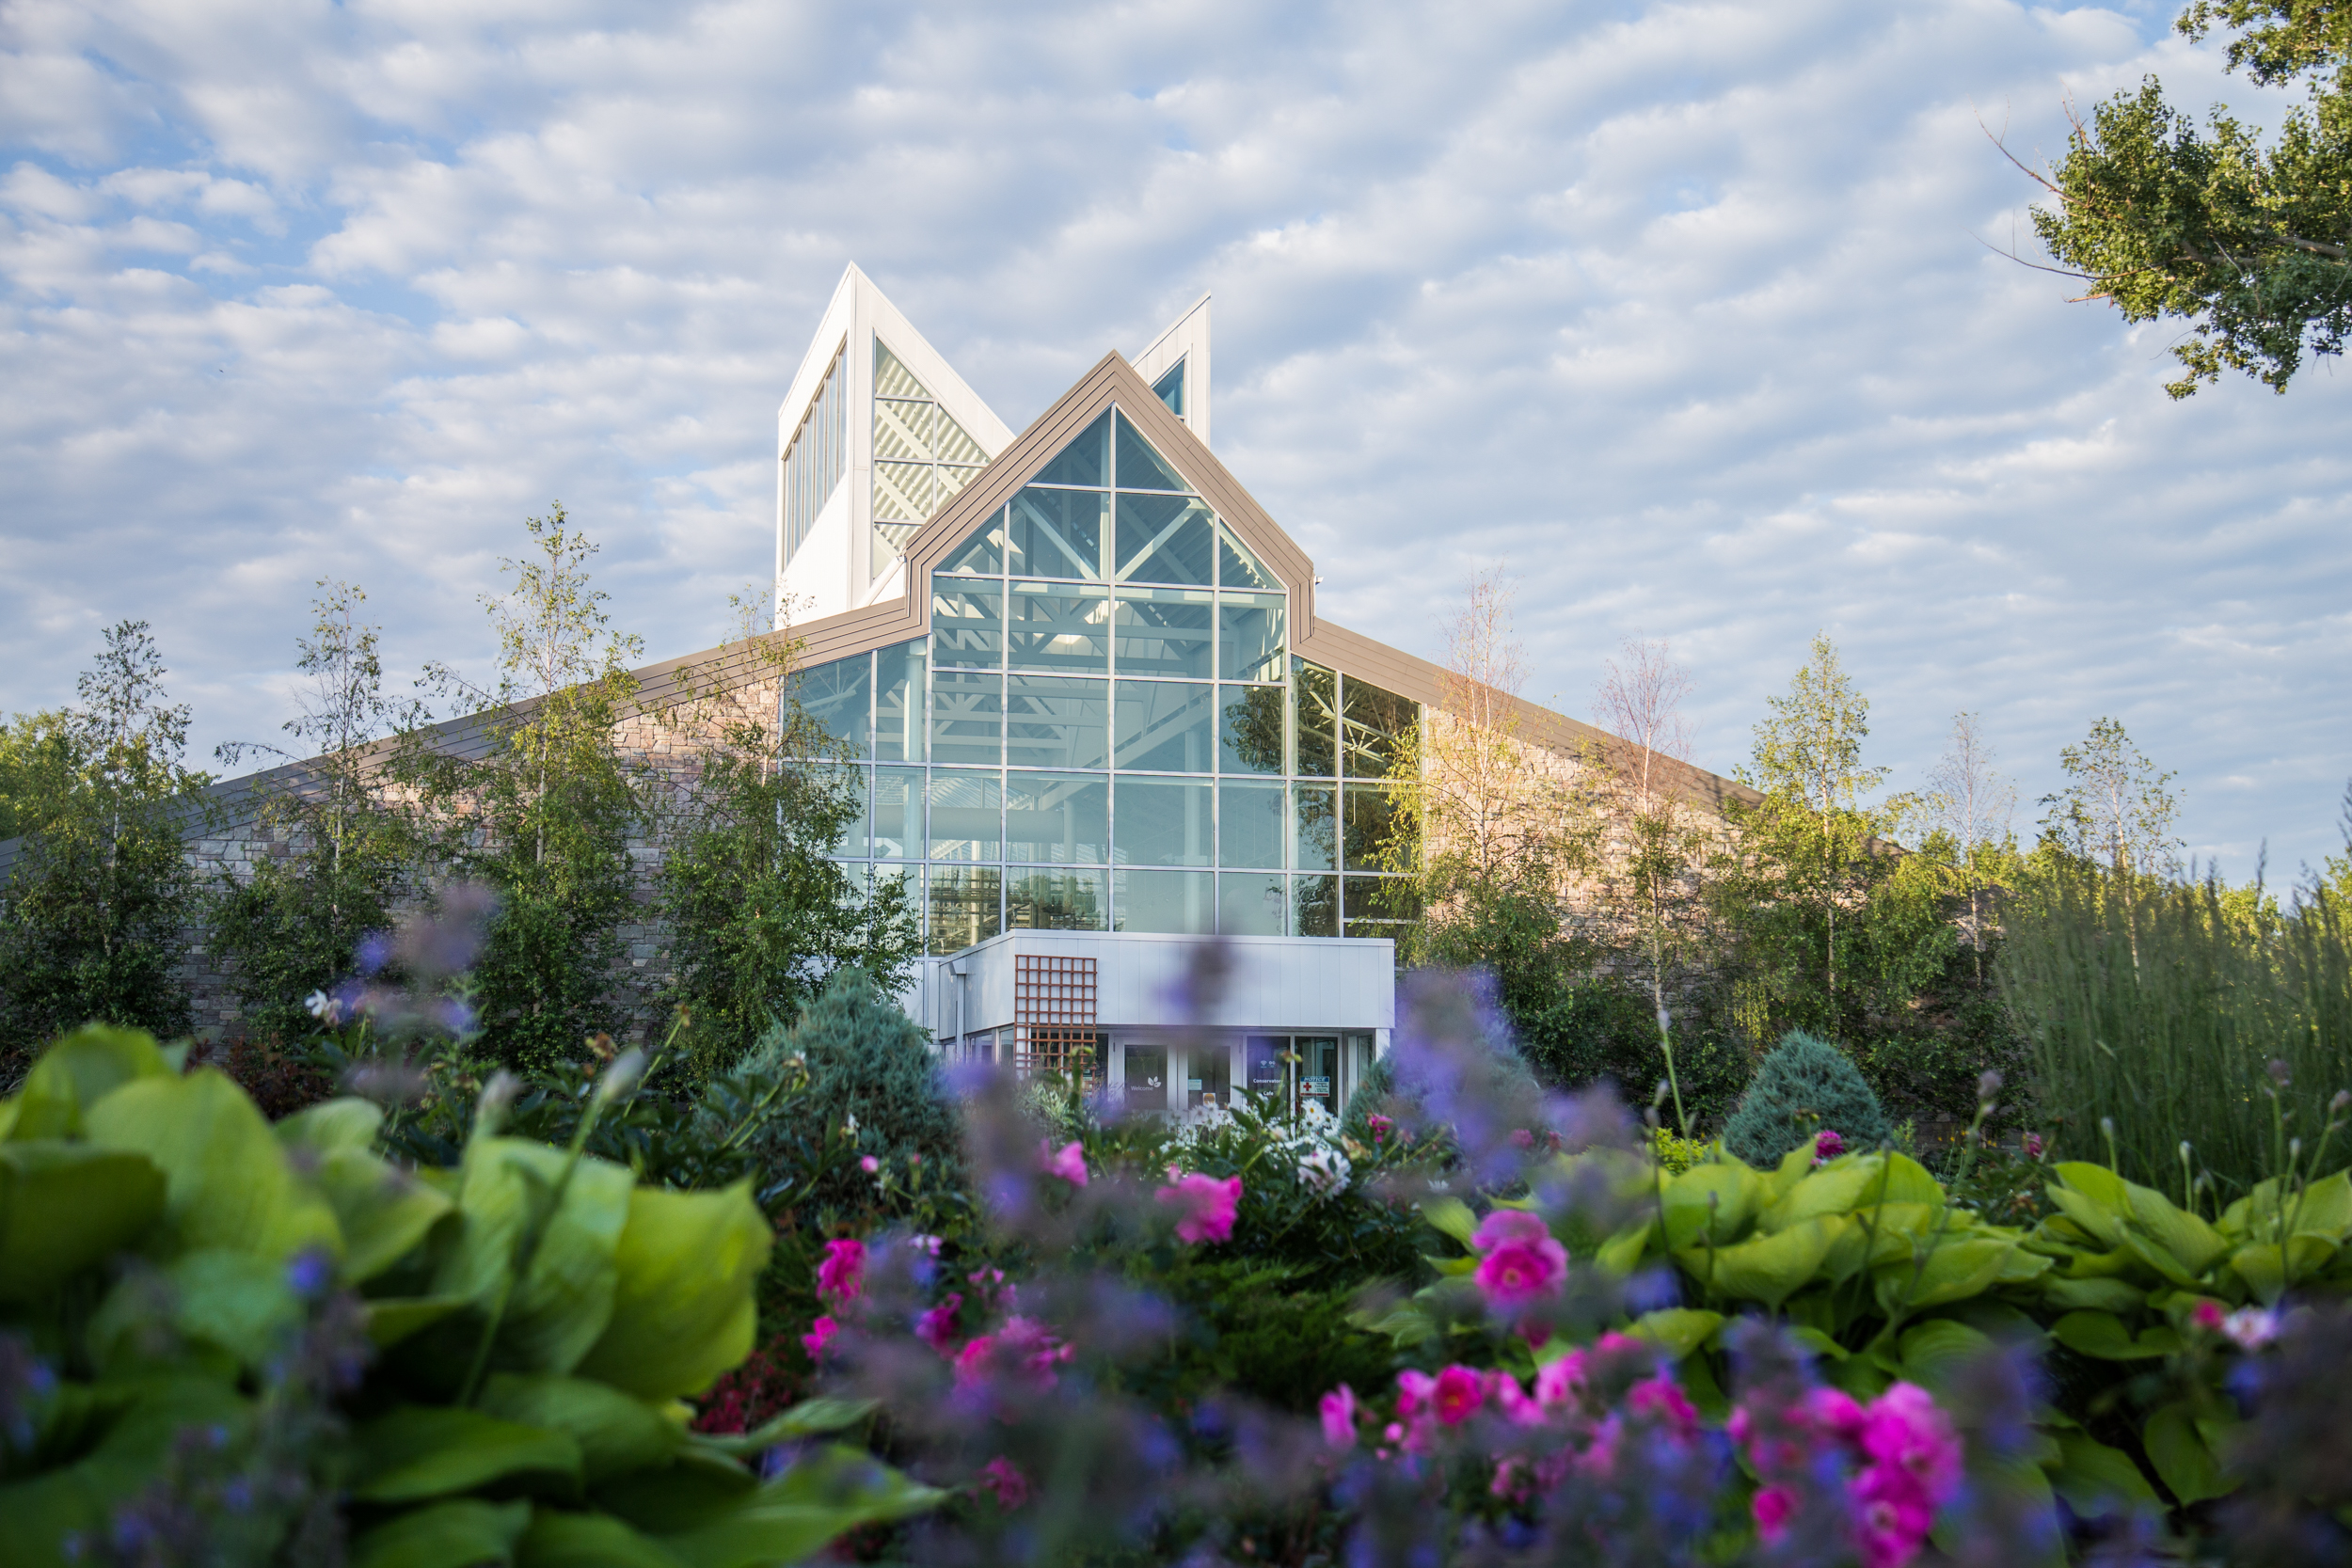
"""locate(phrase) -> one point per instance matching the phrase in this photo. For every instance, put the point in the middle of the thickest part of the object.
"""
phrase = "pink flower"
(937, 1327)
(1599, 1457)
(1772, 1507)
(1070, 1164)
(1522, 1138)
(1459, 1395)
(1519, 1261)
(1510, 1478)
(1904, 1429)
(972, 1361)
(1206, 1204)
(1379, 1125)
(2207, 1316)
(819, 1334)
(2033, 1146)
(1000, 1476)
(1831, 1410)
(1661, 1398)
(1559, 1382)
(1037, 1351)
(1827, 1146)
(868, 1164)
(927, 1246)
(1512, 1401)
(841, 1276)
(1891, 1515)
(1338, 1409)
(1415, 1391)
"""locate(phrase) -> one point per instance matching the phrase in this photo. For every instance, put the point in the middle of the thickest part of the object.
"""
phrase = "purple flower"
(841, 1276)
(1338, 1410)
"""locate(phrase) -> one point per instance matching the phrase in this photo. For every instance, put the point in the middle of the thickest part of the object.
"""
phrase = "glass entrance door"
(1146, 1087)
(1208, 1070)
(1269, 1068)
(1318, 1070)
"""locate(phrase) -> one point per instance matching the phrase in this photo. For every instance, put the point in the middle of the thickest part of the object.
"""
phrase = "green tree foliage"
(2247, 244)
(2114, 810)
(1832, 926)
(36, 754)
(544, 813)
(1604, 1029)
(870, 1067)
(760, 915)
(101, 894)
(294, 926)
(1804, 1085)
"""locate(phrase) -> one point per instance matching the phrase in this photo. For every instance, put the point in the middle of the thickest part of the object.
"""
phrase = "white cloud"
(1686, 312)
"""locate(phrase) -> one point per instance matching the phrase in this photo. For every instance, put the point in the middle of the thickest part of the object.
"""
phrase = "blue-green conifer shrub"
(1804, 1085)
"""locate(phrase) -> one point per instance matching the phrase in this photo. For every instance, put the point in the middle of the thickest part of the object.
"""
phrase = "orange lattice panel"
(1052, 1015)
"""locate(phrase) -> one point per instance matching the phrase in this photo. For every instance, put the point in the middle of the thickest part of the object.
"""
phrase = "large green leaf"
(65, 1207)
(827, 1493)
(565, 1539)
(2097, 1295)
(2183, 1460)
(1932, 1351)
(696, 1486)
(1450, 1216)
(1734, 1189)
(115, 1459)
(809, 1418)
(2104, 1336)
(558, 1312)
(414, 1452)
(1768, 1268)
(232, 1301)
(395, 1317)
(227, 1182)
(383, 1211)
(1954, 1271)
(2094, 1479)
(2183, 1235)
(683, 1312)
(2264, 1266)
(344, 1123)
(77, 1072)
(463, 1533)
(1677, 1330)
(614, 1432)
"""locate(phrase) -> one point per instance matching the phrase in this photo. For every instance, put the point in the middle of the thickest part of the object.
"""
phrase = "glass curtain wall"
(1105, 730)
(921, 458)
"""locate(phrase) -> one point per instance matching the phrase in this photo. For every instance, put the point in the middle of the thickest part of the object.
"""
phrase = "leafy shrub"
(1803, 1086)
(451, 1365)
(1606, 1030)
(869, 1066)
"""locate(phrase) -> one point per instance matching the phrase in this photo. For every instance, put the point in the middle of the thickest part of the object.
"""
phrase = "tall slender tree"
(1976, 803)
(99, 902)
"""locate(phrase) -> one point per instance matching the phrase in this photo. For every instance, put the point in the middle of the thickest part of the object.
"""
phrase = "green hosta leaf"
(2157, 1257)
(1794, 1167)
(394, 1318)
(1837, 1188)
(2097, 1295)
(383, 1211)
(227, 1182)
(2183, 1235)
(2094, 1219)
(1932, 1351)
(683, 1312)
(118, 1455)
(415, 1451)
(1735, 1189)
(555, 1315)
(465, 1533)
(695, 1486)
(830, 1492)
(2094, 1479)
(1450, 1216)
(65, 1207)
(1769, 1269)
(1953, 1272)
(2326, 1208)
(77, 1072)
(1622, 1253)
(2104, 1336)
(1677, 1330)
(346, 1123)
(808, 1418)
(2183, 1462)
(614, 1432)
(2265, 1265)
(236, 1300)
(565, 1539)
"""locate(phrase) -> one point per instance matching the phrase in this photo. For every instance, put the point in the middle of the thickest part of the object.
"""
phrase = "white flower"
(1324, 1170)
(324, 1008)
(2251, 1327)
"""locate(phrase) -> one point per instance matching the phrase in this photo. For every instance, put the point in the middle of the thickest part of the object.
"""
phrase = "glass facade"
(1105, 730)
(814, 460)
(921, 458)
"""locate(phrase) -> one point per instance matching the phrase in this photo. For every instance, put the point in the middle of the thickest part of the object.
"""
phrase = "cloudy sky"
(1689, 315)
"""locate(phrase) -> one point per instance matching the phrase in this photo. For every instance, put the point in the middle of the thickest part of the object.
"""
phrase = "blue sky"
(1686, 314)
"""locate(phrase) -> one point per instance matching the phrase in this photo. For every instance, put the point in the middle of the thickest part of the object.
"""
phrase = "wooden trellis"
(1052, 1016)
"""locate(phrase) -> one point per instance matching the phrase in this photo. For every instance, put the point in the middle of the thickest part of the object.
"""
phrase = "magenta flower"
(1904, 1429)
(1827, 1146)
(1459, 1394)
(1663, 1400)
(1070, 1164)
(1773, 1505)
(1004, 1478)
(972, 1361)
(2033, 1146)
(1559, 1382)
(1891, 1516)
(841, 1276)
(1205, 1204)
(1414, 1392)
(868, 1164)
(819, 1334)
(1380, 1126)
(1520, 1261)
(1512, 1401)
(1338, 1410)
(937, 1326)
(1833, 1411)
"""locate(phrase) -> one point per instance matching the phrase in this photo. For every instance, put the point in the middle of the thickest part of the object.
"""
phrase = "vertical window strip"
(814, 460)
